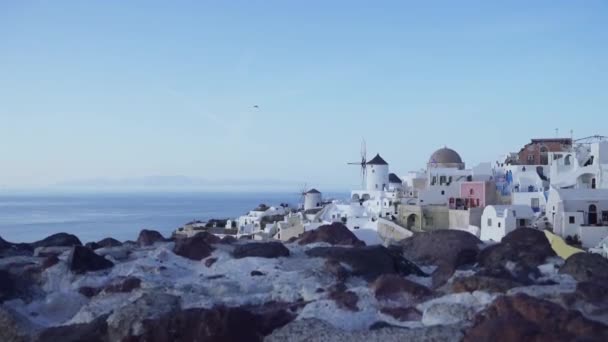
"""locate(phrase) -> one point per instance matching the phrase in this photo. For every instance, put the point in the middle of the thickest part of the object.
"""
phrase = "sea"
(94, 216)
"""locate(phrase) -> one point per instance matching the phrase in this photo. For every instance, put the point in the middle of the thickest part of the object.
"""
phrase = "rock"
(314, 330)
(346, 300)
(587, 267)
(58, 240)
(116, 253)
(7, 286)
(149, 237)
(368, 262)
(521, 252)
(482, 283)
(257, 273)
(261, 249)
(95, 331)
(228, 240)
(524, 318)
(193, 248)
(403, 314)
(395, 287)
(336, 269)
(447, 313)
(11, 329)
(124, 286)
(92, 245)
(130, 322)
(209, 238)
(210, 261)
(334, 234)
(109, 242)
(49, 261)
(82, 260)
(43, 252)
(216, 324)
(9, 249)
(89, 291)
(592, 292)
(447, 249)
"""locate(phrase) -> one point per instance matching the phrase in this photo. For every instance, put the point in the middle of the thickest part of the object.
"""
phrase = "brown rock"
(481, 283)
(210, 261)
(82, 260)
(209, 238)
(394, 287)
(58, 240)
(346, 300)
(524, 318)
(149, 237)
(587, 267)
(336, 269)
(89, 291)
(261, 250)
(49, 261)
(124, 286)
(334, 234)
(194, 248)
(403, 314)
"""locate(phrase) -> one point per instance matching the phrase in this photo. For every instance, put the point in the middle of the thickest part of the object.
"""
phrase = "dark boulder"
(92, 245)
(334, 234)
(256, 273)
(193, 248)
(395, 287)
(261, 249)
(95, 331)
(149, 237)
(216, 324)
(587, 267)
(82, 260)
(524, 248)
(58, 240)
(109, 242)
(336, 269)
(445, 248)
(368, 262)
(346, 300)
(209, 238)
(210, 261)
(89, 291)
(523, 318)
(7, 286)
(228, 240)
(403, 314)
(49, 261)
(592, 292)
(124, 286)
(482, 283)
(8, 249)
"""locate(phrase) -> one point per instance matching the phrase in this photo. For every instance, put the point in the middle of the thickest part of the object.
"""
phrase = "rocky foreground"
(327, 286)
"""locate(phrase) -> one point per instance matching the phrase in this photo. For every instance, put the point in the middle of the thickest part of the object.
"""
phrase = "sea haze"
(91, 217)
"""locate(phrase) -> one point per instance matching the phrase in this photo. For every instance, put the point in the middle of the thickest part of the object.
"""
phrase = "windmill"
(363, 162)
(302, 194)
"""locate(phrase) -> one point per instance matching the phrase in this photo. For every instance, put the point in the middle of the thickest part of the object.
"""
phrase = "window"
(535, 203)
(442, 192)
(530, 158)
(498, 224)
(571, 220)
(489, 222)
(471, 192)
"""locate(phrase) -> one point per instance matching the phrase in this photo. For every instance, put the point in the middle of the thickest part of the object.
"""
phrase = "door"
(592, 216)
(592, 183)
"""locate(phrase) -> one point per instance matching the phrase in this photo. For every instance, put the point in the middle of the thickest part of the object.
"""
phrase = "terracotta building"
(535, 152)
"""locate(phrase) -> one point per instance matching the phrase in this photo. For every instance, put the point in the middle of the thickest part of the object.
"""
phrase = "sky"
(129, 89)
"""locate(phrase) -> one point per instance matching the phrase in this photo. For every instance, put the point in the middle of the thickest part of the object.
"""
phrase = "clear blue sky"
(118, 89)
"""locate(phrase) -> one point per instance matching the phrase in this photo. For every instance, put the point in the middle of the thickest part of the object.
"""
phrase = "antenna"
(571, 134)
(557, 132)
(363, 162)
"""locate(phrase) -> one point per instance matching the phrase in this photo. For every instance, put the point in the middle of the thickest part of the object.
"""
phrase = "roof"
(582, 194)
(392, 178)
(520, 210)
(377, 160)
(445, 156)
(313, 191)
(567, 141)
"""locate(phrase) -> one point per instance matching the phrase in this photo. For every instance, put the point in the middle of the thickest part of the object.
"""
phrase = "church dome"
(446, 157)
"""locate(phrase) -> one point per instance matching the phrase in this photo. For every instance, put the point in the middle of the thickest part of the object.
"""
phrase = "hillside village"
(559, 185)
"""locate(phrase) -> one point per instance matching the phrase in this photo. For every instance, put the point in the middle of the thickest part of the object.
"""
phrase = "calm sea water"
(91, 217)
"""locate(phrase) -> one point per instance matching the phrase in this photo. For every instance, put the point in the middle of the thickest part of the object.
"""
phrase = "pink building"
(474, 195)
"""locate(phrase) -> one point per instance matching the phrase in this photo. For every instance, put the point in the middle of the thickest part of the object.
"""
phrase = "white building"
(252, 222)
(586, 167)
(581, 213)
(312, 199)
(499, 220)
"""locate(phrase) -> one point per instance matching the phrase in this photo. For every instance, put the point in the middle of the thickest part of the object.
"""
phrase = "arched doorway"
(592, 216)
(356, 198)
(411, 221)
